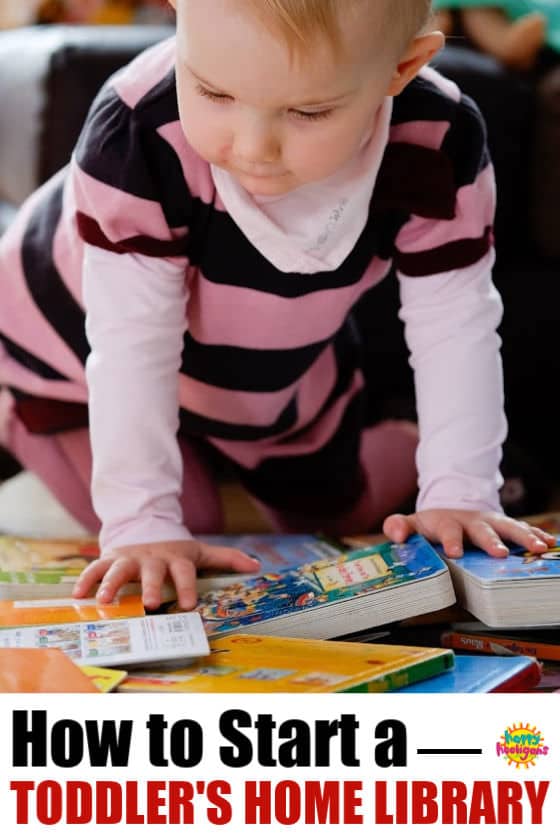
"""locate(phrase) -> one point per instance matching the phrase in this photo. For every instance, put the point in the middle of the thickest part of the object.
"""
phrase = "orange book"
(47, 671)
(29, 613)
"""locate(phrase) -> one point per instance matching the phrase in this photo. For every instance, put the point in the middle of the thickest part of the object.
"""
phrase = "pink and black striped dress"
(269, 361)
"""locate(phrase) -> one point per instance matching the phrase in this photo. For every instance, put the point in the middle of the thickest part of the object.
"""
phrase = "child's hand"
(151, 563)
(485, 530)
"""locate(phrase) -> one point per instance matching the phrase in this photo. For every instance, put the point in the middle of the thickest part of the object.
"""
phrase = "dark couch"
(50, 74)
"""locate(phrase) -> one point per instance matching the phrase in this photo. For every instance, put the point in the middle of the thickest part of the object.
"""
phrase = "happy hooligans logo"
(521, 745)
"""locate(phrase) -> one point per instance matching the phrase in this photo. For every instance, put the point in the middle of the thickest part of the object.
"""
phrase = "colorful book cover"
(323, 584)
(520, 564)
(64, 610)
(104, 679)
(479, 674)
(276, 553)
(486, 641)
(243, 663)
(120, 642)
(45, 671)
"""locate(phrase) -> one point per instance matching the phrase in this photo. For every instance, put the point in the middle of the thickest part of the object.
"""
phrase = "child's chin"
(267, 186)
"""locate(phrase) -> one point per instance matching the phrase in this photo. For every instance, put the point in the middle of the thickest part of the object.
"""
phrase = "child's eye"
(210, 94)
(313, 115)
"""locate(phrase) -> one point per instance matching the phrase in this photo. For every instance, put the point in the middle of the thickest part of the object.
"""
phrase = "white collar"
(315, 227)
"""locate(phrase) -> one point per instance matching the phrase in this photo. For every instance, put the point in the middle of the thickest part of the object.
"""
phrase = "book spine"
(496, 644)
(408, 675)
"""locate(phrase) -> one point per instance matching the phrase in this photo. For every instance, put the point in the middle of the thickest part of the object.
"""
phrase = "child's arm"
(136, 321)
(451, 320)
(451, 311)
(132, 187)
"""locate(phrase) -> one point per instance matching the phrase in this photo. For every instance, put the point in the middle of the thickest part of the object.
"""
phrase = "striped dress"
(270, 370)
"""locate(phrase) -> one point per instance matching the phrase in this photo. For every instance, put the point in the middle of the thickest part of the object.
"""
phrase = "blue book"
(520, 590)
(275, 552)
(328, 597)
(479, 674)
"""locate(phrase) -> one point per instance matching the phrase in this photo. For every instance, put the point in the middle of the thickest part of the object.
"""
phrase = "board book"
(46, 671)
(520, 590)
(244, 663)
(334, 596)
(479, 674)
(128, 642)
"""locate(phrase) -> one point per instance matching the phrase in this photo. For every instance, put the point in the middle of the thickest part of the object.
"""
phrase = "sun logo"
(521, 745)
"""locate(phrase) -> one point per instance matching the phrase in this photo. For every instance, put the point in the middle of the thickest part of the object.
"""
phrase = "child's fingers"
(549, 539)
(121, 571)
(521, 533)
(183, 575)
(450, 535)
(152, 575)
(398, 527)
(488, 537)
(91, 575)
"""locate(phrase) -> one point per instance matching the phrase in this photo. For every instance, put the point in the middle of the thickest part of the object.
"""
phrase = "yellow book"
(242, 663)
(32, 612)
(104, 679)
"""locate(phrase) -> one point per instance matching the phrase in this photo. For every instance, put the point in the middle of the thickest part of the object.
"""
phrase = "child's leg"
(387, 456)
(52, 459)
(63, 462)
(202, 503)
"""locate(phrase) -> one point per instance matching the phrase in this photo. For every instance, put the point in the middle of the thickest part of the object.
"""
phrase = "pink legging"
(64, 462)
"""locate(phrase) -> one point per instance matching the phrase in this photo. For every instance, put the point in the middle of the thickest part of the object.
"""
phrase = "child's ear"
(173, 3)
(420, 51)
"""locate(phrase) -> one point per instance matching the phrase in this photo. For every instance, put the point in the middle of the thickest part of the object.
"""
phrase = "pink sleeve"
(135, 324)
(451, 321)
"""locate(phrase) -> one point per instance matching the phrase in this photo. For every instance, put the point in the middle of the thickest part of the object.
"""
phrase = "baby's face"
(272, 122)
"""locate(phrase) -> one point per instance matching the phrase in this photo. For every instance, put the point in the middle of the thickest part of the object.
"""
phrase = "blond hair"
(300, 22)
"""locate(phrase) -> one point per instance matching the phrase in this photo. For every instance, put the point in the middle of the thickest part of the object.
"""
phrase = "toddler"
(191, 276)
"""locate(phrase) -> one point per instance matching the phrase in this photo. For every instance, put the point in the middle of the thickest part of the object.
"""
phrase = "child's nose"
(256, 143)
